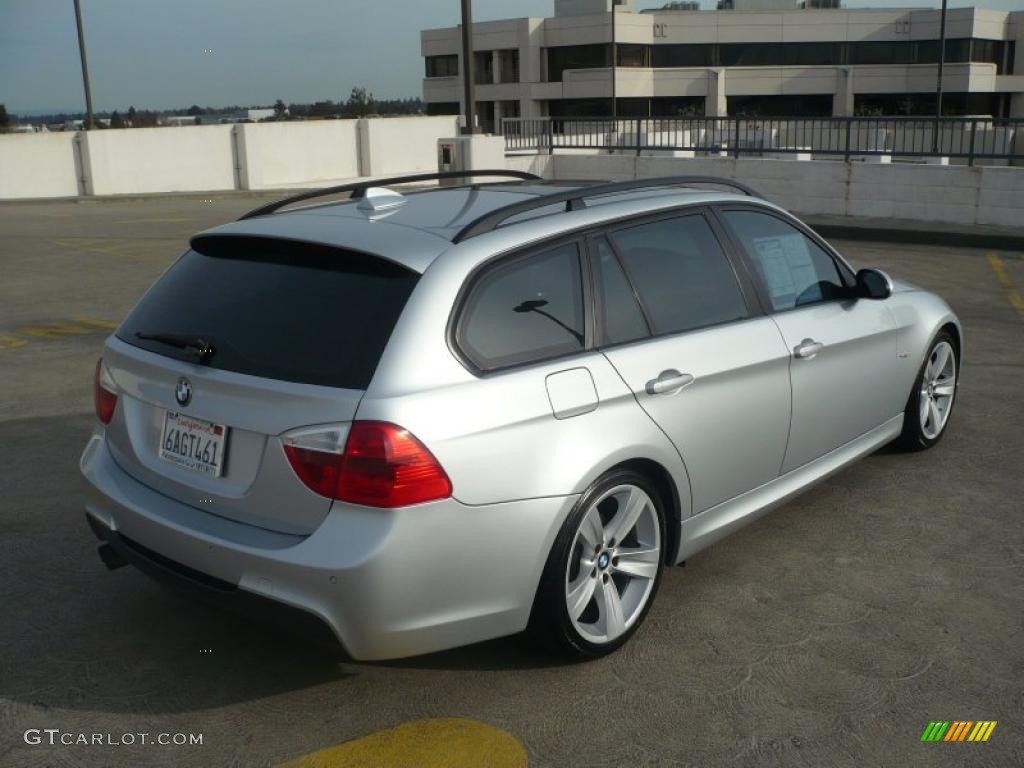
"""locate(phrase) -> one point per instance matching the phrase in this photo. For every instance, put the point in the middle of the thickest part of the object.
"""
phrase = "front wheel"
(604, 568)
(931, 402)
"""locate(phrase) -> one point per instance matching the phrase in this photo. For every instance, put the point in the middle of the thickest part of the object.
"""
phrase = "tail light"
(371, 462)
(103, 393)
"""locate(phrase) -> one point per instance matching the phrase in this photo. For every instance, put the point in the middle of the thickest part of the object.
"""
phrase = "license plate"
(193, 443)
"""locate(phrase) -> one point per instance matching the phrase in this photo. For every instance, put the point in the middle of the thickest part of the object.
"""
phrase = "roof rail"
(575, 199)
(358, 189)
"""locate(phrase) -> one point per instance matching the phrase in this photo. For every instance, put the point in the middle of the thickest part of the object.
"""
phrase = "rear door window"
(276, 309)
(525, 310)
(681, 274)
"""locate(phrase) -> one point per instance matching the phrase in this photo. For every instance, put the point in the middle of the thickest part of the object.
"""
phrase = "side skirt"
(705, 529)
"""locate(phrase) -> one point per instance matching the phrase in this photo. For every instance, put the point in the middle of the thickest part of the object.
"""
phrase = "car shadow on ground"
(77, 636)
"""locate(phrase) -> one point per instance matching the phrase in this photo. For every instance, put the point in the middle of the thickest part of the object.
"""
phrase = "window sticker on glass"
(786, 264)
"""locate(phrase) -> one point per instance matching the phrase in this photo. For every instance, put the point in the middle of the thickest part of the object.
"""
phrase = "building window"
(510, 109)
(812, 54)
(812, 105)
(750, 54)
(444, 108)
(677, 106)
(923, 104)
(509, 65)
(566, 57)
(634, 55)
(697, 55)
(823, 53)
(483, 67)
(579, 108)
(443, 66)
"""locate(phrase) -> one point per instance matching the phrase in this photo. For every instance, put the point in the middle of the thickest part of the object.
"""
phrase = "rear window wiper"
(195, 344)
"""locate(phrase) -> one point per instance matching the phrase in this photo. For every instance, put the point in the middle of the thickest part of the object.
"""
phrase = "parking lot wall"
(956, 194)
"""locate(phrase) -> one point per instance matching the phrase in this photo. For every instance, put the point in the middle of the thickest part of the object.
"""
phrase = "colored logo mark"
(959, 730)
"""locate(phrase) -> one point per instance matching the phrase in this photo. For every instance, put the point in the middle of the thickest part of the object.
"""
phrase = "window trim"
(457, 319)
(734, 254)
(846, 273)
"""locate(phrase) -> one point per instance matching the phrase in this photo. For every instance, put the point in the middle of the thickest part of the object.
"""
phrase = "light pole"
(85, 66)
(938, 79)
(468, 68)
(615, 57)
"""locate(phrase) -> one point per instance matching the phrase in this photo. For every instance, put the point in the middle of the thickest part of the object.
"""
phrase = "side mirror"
(873, 284)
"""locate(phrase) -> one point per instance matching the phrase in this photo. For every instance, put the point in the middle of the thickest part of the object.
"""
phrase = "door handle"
(668, 382)
(807, 349)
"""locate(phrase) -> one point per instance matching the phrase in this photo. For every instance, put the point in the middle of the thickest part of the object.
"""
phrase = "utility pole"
(89, 123)
(615, 61)
(938, 79)
(468, 68)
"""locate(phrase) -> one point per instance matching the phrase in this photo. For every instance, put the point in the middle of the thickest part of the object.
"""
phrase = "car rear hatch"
(244, 339)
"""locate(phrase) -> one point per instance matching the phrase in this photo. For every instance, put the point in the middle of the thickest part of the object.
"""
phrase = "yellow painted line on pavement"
(88, 244)
(79, 326)
(154, 221)
(1004, 279)
(434, 743)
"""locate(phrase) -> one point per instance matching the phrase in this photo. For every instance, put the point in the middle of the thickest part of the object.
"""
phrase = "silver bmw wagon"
(427, 418)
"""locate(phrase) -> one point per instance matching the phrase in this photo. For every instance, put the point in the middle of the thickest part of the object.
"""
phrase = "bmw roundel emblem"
(183, 392)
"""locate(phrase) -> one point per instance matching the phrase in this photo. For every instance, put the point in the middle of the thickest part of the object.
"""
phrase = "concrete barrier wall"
(397, 145)
(38, 166)
(217, 157)
(130, 161)
(274, 155)
(917, 192)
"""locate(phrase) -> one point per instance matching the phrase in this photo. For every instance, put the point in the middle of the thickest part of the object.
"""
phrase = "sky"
(163, 54)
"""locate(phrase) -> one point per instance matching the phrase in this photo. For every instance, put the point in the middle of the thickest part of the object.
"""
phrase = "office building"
(793, 59)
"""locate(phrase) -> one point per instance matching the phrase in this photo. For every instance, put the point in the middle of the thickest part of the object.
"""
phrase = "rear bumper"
(387, 583)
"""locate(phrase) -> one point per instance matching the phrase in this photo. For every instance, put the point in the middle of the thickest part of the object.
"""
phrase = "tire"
(624, 573)
(928, 410)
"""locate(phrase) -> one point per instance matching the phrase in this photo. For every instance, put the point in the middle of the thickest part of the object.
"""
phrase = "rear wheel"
(604, 568)
(931, 402)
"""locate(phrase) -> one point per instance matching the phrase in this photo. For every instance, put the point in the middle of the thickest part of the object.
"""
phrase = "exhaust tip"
(110, 557)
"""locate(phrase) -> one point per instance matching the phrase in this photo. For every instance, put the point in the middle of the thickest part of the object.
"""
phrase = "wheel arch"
(666, 486)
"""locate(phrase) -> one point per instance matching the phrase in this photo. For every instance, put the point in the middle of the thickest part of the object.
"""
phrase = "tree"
(361, 103)
(131, 117)
(194, 110)
(280, 110)
(5, 119)
(116, 121)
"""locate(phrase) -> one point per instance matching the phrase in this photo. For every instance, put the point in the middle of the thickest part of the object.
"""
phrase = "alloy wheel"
(938, 388)
(613, 564)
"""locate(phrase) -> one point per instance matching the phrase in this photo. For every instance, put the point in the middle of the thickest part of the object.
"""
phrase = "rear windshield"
(275, 309)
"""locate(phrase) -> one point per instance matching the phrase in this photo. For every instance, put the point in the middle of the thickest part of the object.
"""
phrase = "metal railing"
(968, 138)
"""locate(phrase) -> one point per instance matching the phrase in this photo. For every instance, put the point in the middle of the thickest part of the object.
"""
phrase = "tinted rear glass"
(277, 309)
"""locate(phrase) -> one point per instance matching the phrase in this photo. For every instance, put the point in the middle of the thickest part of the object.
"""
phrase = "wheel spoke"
(944, 390)
(934, 417)
(941, 358)
(641, 562)
(581, 594)
(627, 515)
(611, 621)
(925, 400)
(591, 529)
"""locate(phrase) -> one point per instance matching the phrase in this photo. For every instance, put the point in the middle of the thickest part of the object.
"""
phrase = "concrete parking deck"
(828, 634)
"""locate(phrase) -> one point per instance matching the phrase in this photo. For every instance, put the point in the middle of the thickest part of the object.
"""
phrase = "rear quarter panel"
(496, 435)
